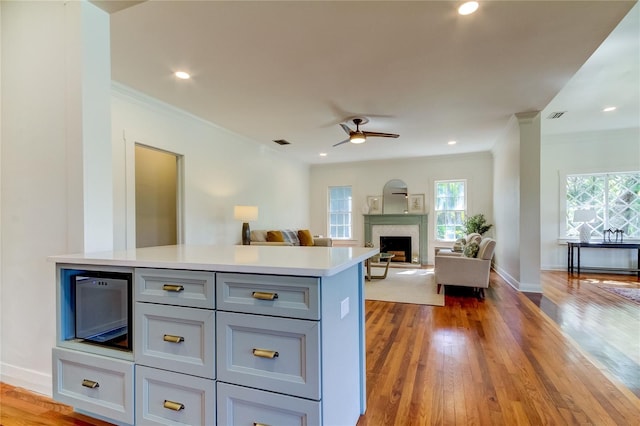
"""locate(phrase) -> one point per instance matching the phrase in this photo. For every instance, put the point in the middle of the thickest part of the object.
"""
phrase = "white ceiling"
(295, 69)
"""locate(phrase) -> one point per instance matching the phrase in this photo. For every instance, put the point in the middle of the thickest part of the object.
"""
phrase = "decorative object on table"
(375, 204)
(245, 214)
(619, 233)
(476, 224)
(585, 216)
(416, 203)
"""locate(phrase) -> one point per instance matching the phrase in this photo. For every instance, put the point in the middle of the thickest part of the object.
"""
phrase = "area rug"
(632, 294)
(404, 286)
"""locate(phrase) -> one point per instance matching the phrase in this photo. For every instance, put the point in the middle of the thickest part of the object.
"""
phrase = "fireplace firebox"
(400, 246)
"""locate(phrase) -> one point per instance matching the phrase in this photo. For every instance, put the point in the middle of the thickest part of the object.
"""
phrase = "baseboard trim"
(508, 278)
(517, 285)
(34, 381)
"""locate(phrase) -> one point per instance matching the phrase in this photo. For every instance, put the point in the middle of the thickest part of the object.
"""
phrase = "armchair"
(466, 271)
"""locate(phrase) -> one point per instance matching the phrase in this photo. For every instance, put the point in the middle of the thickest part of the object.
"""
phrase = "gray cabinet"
(229, 349)
(175, 347)
(164, 397)
(175, 338)
(94, 383)
(239, 405)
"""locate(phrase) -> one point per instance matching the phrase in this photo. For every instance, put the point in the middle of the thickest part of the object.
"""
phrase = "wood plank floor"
(570, 356)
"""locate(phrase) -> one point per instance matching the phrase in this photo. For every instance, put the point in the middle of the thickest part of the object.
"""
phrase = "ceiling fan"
(360, 136)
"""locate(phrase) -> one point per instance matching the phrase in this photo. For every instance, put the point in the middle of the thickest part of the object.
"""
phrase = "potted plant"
(476, 223)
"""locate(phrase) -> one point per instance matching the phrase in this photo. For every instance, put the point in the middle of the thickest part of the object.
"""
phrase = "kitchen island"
(219, 335)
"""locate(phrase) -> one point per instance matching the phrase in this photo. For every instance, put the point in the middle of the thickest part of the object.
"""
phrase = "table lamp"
(584, 216)
(245, 214)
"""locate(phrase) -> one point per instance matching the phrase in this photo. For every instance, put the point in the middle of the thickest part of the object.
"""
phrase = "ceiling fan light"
(357, 138)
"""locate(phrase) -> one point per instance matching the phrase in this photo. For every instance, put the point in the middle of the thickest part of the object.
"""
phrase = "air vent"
(282, 142)
(555, 115)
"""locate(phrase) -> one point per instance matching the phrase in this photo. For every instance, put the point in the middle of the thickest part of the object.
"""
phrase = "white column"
(529, 123)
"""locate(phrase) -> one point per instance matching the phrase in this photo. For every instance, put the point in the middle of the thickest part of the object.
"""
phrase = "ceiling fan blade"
(345, 128)
(381, 135)
(340, 143)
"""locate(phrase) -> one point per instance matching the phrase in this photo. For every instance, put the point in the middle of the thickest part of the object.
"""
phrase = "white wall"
(221, 169)
(588, 152)
(42, 207)
(368, 178)
(47, 173)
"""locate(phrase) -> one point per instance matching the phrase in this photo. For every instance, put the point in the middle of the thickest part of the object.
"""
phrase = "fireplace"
(413, 225)
(399, 246)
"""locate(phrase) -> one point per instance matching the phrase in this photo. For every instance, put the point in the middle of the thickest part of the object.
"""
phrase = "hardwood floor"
(504, 361)
(570, 356)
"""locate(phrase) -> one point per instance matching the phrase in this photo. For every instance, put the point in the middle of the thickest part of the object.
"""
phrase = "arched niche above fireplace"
(395, 197)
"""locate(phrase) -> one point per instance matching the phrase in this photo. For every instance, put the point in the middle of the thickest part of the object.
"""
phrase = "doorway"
(157, 195)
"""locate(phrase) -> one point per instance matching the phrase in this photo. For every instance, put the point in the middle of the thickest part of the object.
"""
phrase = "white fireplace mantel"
(371, 220)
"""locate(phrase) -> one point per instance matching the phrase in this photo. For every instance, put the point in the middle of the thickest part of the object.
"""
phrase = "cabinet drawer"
(295, 297)
(243, 406)
(163, 397)
(176, 338)
(175, 287)
(94, 383)
(246, 342)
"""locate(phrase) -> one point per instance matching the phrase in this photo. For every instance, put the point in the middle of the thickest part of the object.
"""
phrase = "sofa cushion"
(291, 236)
(458, 246)
(259, 236)
(305, 237)
(471, 249)
(474, 237)
(275, 237)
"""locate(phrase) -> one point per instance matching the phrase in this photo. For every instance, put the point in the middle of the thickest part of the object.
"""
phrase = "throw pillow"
(306, 239)
(471, 250)
(275, 237)
(291, 237)
(458, 246)
(259, 235)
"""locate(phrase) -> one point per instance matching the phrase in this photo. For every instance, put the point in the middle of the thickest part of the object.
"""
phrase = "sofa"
(469, 269)
(288, 237)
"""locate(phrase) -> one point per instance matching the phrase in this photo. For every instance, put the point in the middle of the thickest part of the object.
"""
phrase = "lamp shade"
(245, 213)
(584, 215)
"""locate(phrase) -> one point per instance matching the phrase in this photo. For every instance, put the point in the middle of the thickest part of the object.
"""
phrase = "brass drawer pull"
(175, 406)
(264, 296)
(173, 339)
(265, 353)
(90, 384)
(259, 424)
(176, 288)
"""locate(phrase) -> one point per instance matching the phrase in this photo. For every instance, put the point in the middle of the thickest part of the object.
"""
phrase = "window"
(614, 196)
(340, 212)
(450, 208)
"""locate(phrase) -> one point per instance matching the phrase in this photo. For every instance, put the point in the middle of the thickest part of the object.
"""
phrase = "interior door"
(157, 195)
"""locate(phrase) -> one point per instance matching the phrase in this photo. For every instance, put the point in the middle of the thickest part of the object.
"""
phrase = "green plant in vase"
(476, 223)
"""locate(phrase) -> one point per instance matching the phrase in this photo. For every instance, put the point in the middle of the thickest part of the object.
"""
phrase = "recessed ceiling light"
(182, 75)
(452, 142)
(468, 8)
(323, 154)
(609, 109)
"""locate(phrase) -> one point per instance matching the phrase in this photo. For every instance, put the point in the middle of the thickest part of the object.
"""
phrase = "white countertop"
(281, 260)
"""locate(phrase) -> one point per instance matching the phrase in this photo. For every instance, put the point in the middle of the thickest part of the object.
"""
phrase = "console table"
(573, 251)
